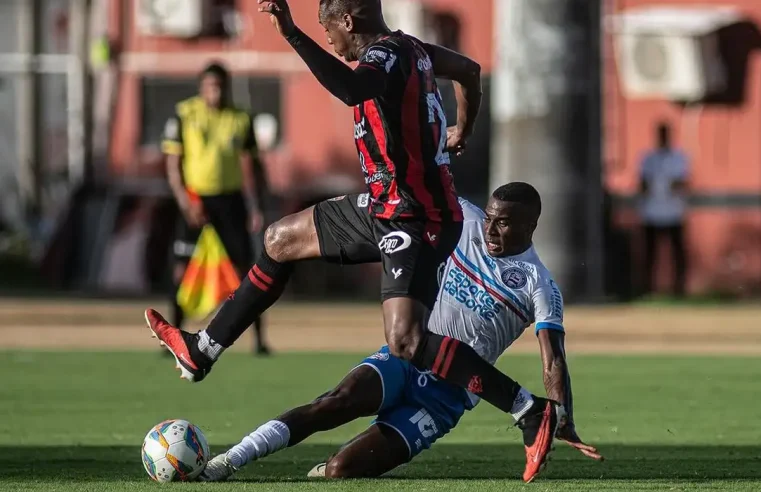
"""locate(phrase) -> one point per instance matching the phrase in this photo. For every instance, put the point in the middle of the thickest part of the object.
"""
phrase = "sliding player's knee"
(340, 466)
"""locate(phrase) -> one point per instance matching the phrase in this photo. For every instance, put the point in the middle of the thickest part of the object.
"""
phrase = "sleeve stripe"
(545, 325)
(171, 148)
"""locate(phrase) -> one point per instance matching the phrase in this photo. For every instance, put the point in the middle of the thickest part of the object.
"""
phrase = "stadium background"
(85, 214)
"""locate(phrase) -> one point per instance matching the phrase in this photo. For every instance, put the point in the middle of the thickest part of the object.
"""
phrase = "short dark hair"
(217, 69)
(519, 192)
(356, 8)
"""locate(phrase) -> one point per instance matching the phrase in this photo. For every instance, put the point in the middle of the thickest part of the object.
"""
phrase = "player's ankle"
(208, 347)
(523, 402)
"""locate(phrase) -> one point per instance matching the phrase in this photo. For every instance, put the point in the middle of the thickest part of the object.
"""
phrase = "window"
(444, 29)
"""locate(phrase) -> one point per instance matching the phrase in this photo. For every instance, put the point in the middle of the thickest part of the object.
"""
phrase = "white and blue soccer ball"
(175, 451)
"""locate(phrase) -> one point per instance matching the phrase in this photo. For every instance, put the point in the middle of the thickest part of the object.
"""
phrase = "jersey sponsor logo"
(489, 261)
(474, 297)
(377, 54)
(363, 200)
(424, 64)
(380, 56)
(390, 63)
(359, 129)
(515, 278)
(374, 178)
(394, 242)
(556, 303)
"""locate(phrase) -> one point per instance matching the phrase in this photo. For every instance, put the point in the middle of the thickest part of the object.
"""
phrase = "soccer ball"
(175, 450)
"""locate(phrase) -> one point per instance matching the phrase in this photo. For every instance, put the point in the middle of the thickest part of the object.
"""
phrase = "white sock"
(208, 346)
(521, 404)
(267, 439)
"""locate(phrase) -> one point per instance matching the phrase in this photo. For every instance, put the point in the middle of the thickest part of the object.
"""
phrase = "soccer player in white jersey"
(493, 287)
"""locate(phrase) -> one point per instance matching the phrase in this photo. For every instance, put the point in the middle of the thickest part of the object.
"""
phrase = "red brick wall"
(725, 150)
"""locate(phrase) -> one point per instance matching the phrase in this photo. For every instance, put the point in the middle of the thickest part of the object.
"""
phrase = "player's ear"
(347, 22)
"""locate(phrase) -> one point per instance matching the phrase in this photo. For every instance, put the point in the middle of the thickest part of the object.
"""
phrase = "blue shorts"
(418, 406)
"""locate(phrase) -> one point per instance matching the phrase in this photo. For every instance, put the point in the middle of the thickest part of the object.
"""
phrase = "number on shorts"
(425, 423)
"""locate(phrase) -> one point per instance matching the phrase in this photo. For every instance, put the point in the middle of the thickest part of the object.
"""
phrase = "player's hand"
(568, 434)
(280, 15)
(255, 221)
(456, 141)
(195, 215)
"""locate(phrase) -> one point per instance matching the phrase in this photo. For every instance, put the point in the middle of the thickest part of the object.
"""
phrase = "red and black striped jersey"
(401, 135)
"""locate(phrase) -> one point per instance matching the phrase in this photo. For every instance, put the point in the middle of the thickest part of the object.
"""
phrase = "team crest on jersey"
(515, 278)
(381, 356)
(477, 242)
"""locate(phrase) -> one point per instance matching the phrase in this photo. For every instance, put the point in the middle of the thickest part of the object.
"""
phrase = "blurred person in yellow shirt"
(216, 178)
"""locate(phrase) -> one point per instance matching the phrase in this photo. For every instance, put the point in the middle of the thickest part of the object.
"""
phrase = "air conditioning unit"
(176, 18)
(405, 15)
(671, 53)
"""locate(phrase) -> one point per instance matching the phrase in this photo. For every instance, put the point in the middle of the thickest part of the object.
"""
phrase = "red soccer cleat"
(181, 344)
(539, 426)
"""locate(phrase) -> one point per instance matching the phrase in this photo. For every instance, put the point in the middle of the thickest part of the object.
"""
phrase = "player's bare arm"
(350, 86)
(557, 383)
(255, 184)
(192, 212)
(466, 75)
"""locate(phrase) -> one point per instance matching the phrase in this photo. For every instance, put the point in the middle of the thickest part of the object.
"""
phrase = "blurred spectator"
(663, 184)
(216, 177)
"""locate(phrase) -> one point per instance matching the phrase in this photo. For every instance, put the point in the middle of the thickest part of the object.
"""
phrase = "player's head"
(511, 216)
(214, 83)
(345, 21)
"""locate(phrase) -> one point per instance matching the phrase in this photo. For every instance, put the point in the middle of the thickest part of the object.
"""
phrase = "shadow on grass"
(446, 461)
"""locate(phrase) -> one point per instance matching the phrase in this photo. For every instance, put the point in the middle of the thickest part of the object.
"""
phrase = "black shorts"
(411, 251)
(228, 215)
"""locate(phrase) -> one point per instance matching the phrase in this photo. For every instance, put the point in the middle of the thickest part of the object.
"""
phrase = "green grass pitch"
(75, 421)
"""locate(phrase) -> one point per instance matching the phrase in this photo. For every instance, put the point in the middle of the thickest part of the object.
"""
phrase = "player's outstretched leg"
(360, 394)
(459, 364)
(290, 239)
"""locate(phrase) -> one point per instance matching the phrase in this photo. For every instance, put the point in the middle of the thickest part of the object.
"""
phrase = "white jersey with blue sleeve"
(488, 302)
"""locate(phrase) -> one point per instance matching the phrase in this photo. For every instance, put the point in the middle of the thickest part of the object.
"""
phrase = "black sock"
(258, 291)
(459, 364)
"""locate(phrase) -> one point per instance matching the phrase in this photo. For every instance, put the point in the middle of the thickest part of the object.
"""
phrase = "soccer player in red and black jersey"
(410, 219)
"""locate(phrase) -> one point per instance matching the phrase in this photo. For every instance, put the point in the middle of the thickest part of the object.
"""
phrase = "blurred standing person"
(216, 177)
(664, 172)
